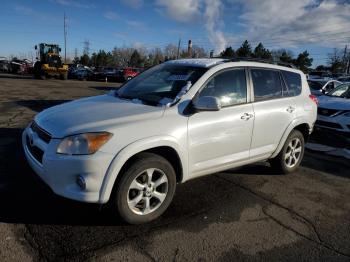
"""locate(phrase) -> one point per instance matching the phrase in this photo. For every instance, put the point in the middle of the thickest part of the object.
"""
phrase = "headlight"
(83, 144)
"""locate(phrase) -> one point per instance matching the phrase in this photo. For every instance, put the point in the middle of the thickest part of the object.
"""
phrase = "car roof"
(212, 62)
(197, 62)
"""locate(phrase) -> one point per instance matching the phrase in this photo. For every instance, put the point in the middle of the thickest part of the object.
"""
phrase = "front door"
(220, 138)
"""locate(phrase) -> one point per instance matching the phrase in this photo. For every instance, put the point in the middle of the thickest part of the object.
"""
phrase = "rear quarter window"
(293, 81)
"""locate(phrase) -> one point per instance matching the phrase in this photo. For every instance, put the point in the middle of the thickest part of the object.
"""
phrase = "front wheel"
(291, 155)
(145, 190)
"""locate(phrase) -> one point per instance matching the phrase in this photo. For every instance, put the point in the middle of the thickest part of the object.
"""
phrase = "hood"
(331, 102)
(93, 114)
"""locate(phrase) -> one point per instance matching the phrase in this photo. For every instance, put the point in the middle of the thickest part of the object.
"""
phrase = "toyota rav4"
(174, 122)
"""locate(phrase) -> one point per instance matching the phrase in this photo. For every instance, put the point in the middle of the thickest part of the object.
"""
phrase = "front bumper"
(60, 172)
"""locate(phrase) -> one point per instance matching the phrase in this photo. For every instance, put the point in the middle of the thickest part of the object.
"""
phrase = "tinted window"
(267, 84)
(315, 85)
(293, 81)
(229, 86)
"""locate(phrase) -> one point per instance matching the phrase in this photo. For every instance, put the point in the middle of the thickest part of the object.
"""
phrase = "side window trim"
(284, 83)
(248, 86)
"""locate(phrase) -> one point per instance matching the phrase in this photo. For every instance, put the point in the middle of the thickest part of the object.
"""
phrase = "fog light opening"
(81, 182)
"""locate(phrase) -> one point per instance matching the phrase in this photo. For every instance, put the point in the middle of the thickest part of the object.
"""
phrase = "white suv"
(174, 122)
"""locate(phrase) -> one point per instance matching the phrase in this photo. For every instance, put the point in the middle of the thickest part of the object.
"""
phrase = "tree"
(282, 55)
(261, 52)
(198, 52)
(85, 59)
(135, 59)
(303, 61)
(157, 56)
(170, 52)
(228, 53)
(245, 50)
(336, 62)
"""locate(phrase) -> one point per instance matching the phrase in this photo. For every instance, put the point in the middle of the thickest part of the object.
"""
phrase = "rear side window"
(293, 81)
(267, 84)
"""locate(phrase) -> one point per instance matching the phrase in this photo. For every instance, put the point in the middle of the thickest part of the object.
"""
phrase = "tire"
(132, 193)
(289, 159)
(64, 76)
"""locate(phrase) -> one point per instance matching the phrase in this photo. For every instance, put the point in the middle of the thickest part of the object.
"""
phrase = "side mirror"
(59, 49)
(36, 47)
(207, 103)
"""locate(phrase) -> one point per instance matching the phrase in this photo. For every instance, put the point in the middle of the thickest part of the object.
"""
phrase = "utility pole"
(178, 49)
(86, 47)
(65, 37)
(189, 48)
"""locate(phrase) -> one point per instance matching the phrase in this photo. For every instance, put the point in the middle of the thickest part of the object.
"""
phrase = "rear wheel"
(291, 155)
(145, 190)
(64, 76)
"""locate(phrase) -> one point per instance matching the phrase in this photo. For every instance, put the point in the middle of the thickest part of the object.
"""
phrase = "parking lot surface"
(246, 214)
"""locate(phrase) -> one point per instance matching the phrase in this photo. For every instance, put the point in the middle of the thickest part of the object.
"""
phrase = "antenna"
(65, 37)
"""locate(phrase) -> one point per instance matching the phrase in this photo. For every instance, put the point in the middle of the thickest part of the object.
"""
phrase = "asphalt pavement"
(245, 214)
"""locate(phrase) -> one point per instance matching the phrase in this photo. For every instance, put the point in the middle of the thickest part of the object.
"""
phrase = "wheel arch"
(299, 124)
(164, 147)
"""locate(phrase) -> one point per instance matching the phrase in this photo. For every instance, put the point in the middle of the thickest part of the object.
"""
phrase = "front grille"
(328, 112)
(328, 124)
(36, 152)
(42, 134)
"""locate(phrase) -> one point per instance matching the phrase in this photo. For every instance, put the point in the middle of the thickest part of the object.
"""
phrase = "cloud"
(207, 12)
(111, 15)
(292, 23)
(135, 4)
(212, 22)
(74, 3)
(181, 10)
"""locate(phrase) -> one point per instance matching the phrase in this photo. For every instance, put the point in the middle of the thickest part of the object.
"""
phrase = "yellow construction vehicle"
(49, 63)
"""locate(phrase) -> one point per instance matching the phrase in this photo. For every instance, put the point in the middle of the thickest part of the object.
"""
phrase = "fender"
(131, 150)
(292, 125)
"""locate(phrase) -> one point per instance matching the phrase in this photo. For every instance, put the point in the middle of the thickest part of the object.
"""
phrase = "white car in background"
(334, 110)
(321, 86)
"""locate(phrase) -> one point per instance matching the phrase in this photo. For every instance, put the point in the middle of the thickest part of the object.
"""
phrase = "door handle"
(290, 109)
(246, 116)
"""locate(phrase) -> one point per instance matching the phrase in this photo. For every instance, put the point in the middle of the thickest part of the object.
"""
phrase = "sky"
(314, 25)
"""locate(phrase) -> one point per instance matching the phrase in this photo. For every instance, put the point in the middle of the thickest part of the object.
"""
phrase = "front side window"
(341, 91)
(229, 87)
(267, 84)
(293, 81)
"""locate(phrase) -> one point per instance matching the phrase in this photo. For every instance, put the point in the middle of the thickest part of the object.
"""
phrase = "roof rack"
(261, 60)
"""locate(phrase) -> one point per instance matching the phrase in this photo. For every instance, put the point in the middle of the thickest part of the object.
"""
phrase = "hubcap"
(293, 153)
(147, 191)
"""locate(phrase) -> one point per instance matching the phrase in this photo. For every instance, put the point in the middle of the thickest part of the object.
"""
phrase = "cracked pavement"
(245, 214)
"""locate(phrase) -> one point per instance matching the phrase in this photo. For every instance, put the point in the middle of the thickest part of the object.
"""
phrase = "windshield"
(341, 91)
(315, 85)
(161, 84)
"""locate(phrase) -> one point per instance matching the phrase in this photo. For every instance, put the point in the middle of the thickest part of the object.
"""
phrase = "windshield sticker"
(178, 77)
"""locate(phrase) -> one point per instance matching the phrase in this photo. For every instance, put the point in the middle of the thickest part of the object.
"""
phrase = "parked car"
(334, 110)
(174, 122)
(344, 79)
(320, 87)
(323, 75)
(4, 66)
(129, 73)
(83, 74)
(112, 74)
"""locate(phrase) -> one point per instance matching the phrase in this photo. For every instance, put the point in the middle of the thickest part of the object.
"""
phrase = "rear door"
(273, 108)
